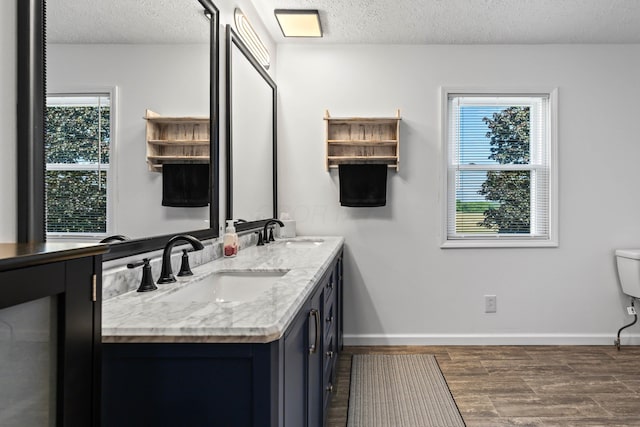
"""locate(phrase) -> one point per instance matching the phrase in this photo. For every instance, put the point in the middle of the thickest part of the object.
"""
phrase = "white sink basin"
(225, 286)
(304, 243)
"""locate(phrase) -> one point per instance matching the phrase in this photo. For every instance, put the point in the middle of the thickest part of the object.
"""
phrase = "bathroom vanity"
(50, 299)
(234, 356)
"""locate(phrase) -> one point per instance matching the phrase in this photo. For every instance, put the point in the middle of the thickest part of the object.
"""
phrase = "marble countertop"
(139, 317)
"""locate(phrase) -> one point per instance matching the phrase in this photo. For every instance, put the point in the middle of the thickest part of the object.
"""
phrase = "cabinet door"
(315, 390)
(47, 373)
(339, 302)
(295, 371)
(303, 366)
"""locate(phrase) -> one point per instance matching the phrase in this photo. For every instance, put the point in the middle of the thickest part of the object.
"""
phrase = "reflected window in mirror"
(78, 146)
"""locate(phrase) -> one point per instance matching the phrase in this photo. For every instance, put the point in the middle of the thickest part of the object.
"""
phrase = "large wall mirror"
(251, 137)
(106, 64)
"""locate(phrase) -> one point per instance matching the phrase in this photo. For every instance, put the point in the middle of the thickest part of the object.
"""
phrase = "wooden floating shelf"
(373, 120)
(388, 166)
(199, 159)
(173, 120)
(158, 161)
(176, 139)
(335, 161)
(362, 140)
(358, 158)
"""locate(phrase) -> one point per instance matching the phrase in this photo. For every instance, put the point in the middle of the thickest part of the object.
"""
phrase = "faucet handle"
(146, 284)
(271, 239)
(260, 240)
(185, 269)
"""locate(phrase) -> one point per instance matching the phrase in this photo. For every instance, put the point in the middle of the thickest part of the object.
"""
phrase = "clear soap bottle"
(230, 240)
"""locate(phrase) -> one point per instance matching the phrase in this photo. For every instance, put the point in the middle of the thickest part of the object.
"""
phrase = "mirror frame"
(31, 98)
(234, 39)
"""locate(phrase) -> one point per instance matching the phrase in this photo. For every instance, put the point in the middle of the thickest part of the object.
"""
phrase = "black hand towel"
(363, 185)
(185, 184)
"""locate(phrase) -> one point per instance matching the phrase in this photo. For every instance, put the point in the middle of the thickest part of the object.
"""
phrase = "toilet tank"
(628, 262)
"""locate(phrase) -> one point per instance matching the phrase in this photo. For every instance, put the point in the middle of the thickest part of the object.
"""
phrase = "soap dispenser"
(230, 240)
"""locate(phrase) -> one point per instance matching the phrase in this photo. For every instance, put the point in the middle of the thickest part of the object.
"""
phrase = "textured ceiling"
(126, 21)
(465, 21)
(359, 21)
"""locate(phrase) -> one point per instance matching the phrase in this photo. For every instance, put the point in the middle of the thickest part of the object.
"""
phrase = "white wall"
(400, 286)
(8, 121)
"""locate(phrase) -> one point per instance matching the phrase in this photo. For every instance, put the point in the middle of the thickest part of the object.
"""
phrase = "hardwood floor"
(496, 386)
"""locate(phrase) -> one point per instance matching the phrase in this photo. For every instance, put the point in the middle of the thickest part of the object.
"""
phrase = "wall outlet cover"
(490, 304)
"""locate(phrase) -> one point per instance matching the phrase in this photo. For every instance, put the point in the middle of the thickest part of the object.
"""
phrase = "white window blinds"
(498, 167)
(77, 153)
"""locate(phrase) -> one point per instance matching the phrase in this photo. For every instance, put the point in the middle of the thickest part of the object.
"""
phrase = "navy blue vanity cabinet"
(277, 384)
(311, 353)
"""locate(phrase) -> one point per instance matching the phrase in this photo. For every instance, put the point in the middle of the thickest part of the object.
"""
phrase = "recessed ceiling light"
(299, 23)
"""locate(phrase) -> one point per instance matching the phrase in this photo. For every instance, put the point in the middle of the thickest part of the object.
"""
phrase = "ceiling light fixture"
(299, 23)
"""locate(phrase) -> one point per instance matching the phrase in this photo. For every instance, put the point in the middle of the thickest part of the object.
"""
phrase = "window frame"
(111, 92)
(501, 241)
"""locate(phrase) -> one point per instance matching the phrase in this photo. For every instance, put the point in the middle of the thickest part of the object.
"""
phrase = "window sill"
(469, 244)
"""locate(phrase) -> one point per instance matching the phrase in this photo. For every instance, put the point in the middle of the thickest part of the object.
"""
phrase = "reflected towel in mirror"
(185, 184)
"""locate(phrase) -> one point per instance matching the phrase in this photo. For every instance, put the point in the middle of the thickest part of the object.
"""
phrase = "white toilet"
(628, 261)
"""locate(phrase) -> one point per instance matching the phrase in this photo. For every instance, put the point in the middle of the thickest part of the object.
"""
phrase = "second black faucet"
(266, 237)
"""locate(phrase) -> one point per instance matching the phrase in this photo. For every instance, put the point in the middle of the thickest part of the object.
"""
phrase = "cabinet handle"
(316, 314)
(330, 388)
(330, 319)
(330, 284)
(329, 354)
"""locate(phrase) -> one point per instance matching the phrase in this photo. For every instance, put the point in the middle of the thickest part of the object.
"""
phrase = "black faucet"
(114, 238)
(166, 275)
(268, 238)
(146, 284)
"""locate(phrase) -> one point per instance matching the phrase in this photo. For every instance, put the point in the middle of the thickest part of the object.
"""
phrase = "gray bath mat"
(400, 390)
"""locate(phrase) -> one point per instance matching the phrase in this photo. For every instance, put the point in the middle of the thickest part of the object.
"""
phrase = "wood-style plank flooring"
(554, 386)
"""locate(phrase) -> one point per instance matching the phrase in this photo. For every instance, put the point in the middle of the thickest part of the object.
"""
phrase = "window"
(77, 151)
(500, 163)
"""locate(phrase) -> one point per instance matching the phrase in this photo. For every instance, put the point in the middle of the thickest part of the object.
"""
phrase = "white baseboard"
(489, 339)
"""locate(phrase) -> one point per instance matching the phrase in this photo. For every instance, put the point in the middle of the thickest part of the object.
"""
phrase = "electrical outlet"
(490, 304)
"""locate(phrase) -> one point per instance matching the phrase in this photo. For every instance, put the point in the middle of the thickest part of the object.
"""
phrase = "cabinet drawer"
(329, 389)
(329, 319)
(330, 285)
(329, 358)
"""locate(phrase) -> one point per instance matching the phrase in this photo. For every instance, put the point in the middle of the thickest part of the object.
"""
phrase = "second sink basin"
(304, 243)
(225, 286)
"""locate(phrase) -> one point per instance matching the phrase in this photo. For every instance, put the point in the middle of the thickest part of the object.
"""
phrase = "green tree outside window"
(509, 138)
(77, 155)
